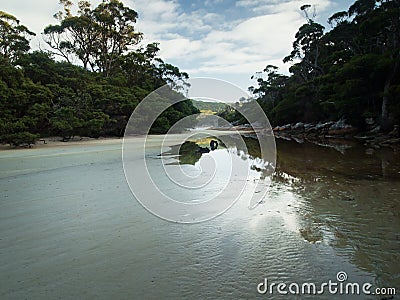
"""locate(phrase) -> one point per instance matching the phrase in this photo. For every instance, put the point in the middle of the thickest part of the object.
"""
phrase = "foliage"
(214, 107)
(41, 96)
(13, 37)
(351, 71)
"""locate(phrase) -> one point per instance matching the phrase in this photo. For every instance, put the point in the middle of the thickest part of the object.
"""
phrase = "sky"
(224, 39)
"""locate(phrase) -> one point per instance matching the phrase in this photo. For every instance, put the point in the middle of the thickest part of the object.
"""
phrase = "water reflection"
(191, 151)
(351, 202)
(348, 200)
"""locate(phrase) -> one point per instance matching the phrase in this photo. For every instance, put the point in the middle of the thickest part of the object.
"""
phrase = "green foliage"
(20, 138)
(215, 107)
(40, 96)
(13, 37)
(351, 71)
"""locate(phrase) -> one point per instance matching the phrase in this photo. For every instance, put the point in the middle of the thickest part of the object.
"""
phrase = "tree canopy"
(351, 71)
(101, 73)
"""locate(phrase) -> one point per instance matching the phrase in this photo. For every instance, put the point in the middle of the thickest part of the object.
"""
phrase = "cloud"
(207, 43)
(213, 38)
(281, 6)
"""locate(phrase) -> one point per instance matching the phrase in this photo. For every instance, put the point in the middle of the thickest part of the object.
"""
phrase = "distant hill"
(209, 107)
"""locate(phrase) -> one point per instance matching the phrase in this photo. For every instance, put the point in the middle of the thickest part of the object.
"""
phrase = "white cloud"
(208, 44)
(179, 47)
(202, 41)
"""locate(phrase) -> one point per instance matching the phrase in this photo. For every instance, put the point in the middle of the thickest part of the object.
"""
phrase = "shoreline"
(338, 133)
(331, 134)
(54, 142)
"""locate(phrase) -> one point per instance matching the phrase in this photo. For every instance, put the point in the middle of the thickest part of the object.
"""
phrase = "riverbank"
(338, 134)
(57, 141)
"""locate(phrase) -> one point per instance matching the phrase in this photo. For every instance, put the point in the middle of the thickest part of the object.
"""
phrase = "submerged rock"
(203, 150)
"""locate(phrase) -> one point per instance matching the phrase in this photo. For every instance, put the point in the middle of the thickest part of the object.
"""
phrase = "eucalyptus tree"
(97, 37)
(379, 33)
(14, 37)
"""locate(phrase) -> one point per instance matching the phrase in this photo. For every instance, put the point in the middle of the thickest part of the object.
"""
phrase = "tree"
(379, 22)
(270, 85)
(14, 37)
(351, 71)
(97, 37)
(306, 48)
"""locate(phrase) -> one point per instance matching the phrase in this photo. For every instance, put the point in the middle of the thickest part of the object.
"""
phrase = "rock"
(307, 126)
(341, 124)
(320, 126)
(298, 126)
(203, 150)
(341, 128)
(213, 144)
(285, 127)
(311, 128)
(348, 198)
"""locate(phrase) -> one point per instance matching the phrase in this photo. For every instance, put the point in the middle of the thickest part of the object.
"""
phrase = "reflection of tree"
(348, 202)
(309, 162)
(190, 152)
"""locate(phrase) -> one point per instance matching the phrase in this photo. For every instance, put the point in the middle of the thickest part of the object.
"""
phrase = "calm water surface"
(70, 228)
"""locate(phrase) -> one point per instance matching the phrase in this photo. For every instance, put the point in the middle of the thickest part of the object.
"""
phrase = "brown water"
(70, 228)
(350, 201)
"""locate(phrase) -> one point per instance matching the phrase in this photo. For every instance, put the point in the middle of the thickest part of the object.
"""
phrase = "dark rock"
(307, 126)
(298, 126)
(285, 127)
(311, 128)
(348, 199)
(341, 124)
(213, 144)
(203, 150)
(320, 126)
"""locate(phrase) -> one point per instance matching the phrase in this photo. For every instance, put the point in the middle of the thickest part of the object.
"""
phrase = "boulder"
(321, 126)
(340, 128)
(298, 126)
(341, 124)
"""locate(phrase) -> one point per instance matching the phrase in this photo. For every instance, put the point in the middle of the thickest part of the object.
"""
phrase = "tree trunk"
(385, 113)
(385, 99)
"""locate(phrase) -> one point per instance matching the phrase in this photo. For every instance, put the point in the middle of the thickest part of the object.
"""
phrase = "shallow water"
(70, 228)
